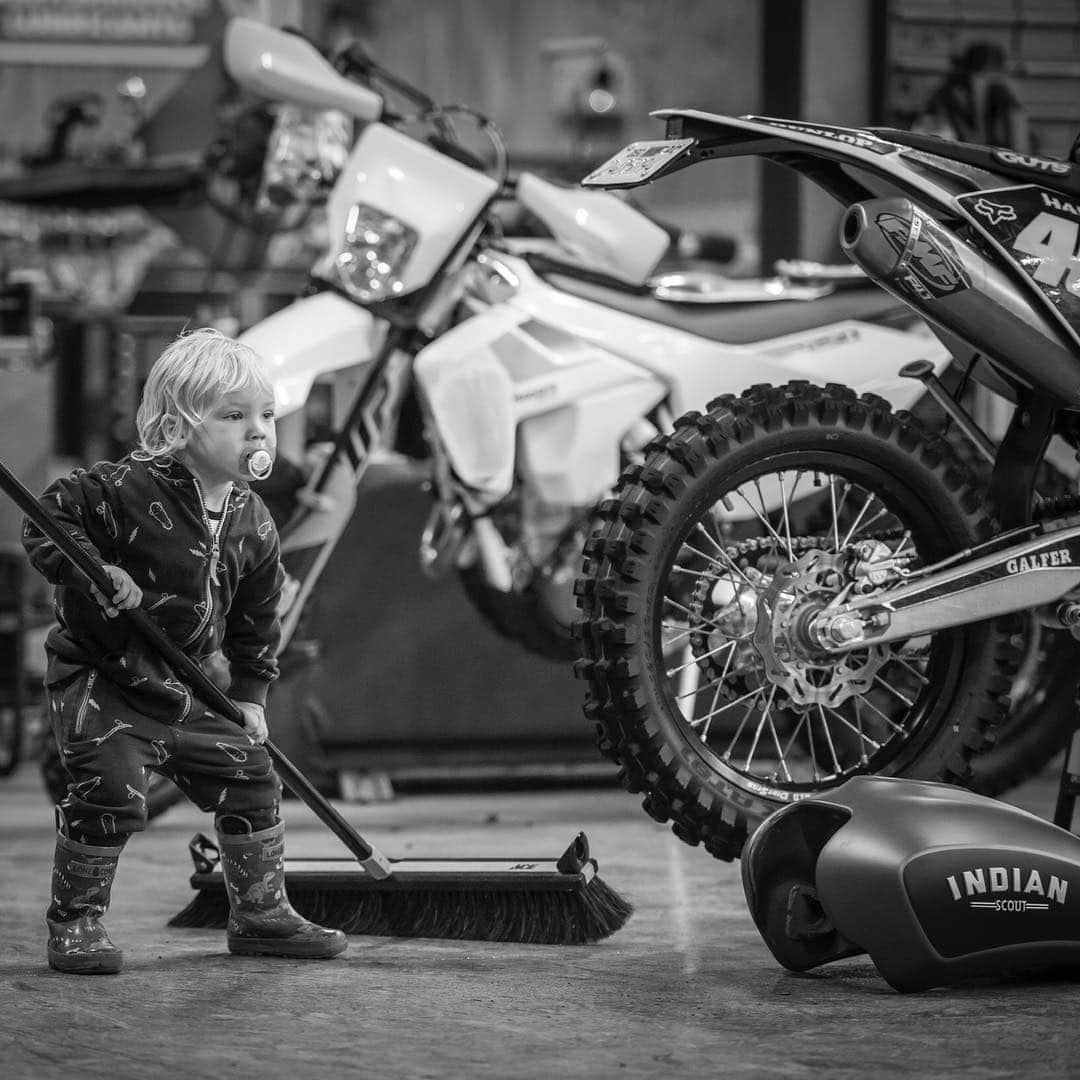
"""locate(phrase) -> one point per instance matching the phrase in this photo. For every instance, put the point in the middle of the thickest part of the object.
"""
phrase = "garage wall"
(517, 61)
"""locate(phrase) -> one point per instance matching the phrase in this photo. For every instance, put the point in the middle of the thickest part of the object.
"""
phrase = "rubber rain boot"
(262, 922)
(81, 885)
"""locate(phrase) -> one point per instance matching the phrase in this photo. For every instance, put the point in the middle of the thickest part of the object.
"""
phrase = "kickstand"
(1069, 787)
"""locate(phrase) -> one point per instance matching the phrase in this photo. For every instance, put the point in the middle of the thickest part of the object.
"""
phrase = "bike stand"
(1069, 786)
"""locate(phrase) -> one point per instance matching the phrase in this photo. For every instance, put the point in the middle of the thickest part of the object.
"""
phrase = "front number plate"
(637, 163)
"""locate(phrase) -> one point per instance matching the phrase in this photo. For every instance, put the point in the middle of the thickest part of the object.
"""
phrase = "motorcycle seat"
(1061, 176)
(734, 323)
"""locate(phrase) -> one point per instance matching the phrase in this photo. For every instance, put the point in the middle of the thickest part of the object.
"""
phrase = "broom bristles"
(572, 917)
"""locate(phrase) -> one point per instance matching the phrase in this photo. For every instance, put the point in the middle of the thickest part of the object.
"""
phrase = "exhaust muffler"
(931, 269)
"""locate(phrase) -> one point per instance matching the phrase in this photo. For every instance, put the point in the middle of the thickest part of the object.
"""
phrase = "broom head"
(534, 901)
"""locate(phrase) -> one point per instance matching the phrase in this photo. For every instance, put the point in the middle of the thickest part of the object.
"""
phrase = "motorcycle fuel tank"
(937, 884)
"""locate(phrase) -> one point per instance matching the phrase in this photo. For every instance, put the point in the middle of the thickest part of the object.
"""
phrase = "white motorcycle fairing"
(496, 376)
(285, 66)
(863, 355)
(311, 337)
(596, 228)
(572, 377)
(400, 178)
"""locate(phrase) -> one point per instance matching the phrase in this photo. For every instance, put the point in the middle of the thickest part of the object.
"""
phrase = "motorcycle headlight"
(372, 259)
(305, 152)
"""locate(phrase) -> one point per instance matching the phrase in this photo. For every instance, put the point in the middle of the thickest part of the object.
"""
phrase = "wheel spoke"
(738, 731)
(712, 562)
(785, 501)
(904, 541)
(757, 732)
(764, 520)
(729, 705)
(863, 759)
(696, 659)
(892, 690)
(704, 733)
(681, 607)
(682, 631)
(837, 508)
(914, 672)
(677, 569)
(829, 740)
(731, 564)
(898, 728)
(883, 513)
(858, 518)
(794, 735)
(780, 753)
(863, 737)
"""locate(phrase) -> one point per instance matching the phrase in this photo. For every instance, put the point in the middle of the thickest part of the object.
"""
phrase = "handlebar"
(285, 65)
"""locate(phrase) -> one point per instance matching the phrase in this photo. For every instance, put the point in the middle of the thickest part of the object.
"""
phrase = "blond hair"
(192, 373)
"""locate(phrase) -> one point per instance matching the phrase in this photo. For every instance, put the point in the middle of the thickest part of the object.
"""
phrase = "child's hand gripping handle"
(190, 671)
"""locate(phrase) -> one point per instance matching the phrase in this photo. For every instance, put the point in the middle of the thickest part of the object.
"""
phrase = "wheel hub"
(797, 593)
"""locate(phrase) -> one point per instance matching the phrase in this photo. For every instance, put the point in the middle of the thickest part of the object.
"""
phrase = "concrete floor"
(686, 989)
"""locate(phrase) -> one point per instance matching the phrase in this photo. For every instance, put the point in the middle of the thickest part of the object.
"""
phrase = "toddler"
(181, 533)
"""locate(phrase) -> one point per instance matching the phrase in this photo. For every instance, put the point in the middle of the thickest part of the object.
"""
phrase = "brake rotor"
(798, 591)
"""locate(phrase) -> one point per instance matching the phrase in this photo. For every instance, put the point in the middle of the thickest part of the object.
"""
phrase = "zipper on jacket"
(84, 702)
(215, 555)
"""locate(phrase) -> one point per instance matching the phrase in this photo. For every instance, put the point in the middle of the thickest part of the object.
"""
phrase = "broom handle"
(374, 862)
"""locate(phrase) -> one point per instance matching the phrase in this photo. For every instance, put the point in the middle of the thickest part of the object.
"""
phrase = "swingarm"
(1024, 575)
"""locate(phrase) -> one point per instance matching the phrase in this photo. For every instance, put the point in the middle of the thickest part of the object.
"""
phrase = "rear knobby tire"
(637, 561)
(1042, 715)
(1042, 699)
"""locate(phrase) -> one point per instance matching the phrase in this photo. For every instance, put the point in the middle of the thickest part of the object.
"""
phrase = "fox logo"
(994, 212)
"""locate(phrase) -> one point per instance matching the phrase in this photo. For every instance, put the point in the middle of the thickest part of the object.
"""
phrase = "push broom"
(539, 901)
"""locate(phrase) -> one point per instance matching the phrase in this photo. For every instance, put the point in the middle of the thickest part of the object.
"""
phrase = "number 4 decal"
(1052, 240)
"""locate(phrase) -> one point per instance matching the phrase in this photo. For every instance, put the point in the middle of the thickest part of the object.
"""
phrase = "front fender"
(309, 338)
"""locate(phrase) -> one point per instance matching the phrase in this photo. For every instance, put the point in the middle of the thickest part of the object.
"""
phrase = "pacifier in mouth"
(257, 463)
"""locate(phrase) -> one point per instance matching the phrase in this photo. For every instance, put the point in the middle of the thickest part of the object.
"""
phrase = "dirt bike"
(523, 372)
(804, 583)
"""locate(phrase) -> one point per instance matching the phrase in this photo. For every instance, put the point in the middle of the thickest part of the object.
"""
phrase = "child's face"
(235, 426)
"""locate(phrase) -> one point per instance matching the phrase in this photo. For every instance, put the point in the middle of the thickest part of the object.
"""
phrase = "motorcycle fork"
(308, 540)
